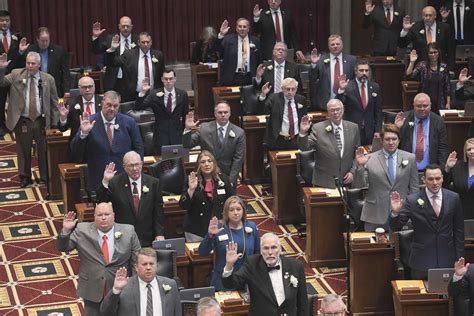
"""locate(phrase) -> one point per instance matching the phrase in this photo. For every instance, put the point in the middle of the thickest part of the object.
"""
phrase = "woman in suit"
(204, 196)
(461, 174)
(433, 76)
(207, 49)
(234, 228)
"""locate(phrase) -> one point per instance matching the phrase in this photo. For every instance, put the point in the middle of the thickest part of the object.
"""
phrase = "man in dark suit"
(335, 141)
(113, 75)
(465, 93)
(326, 71)
(387, 19)
(277, 284)
(32, 109)
(54, 60)
(275, 25)
(170, 106)
(363, 103)
(10, 40)
(438, 224)
(144, 293)
(103, 247)
(276, 70)
(105, 137)
(458, 14)
(421, 33)
(223, 139)
(136, 198)
(462, 285)
(423, 133)
(240, 54)
(136, 65)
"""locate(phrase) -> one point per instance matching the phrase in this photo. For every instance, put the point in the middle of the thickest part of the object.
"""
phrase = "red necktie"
(419, 142)
(337, 76)
(435, 205)
(88, 107)
(136, 198)
(363, 97)
(109, 133)
(389, 19)
(105, 249)
(277, 27)
(169, 103)
(291, 123)
(147, 68)
(5, 43)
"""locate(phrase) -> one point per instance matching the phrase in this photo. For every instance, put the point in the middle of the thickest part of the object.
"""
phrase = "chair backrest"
(403, 240)
(73, 94)
(126, 106)
(389, 117)
(248, 99)
(312, 304)
(355, 201)
(146, 130)
(166, 263)
(189, 308)
(171, 174)
(143, 116)
(305, 161)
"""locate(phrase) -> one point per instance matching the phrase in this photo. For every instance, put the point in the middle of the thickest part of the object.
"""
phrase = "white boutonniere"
(118, 235)
(252, 45)
(326, 60)
(153, 59)
(248, 230)
(133, 45)
(23, 81)
(422, 31)
(293, 281)
(16, 38)
(232, 134)
(116, 126)
(411, 124)
(441, 69)
(467, 9)
(374, 94)
(220, 183)
(269, 67)
(166, 288)
(395, 13)
(300, 106)
(77, 107)
(328, 128)
(267, 12)
(160, 94)
(145, 189)
(421, 202)
(404, 163)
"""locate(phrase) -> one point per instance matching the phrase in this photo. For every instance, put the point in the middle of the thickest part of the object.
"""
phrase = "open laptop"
(469, 109)
(196, 293)
(174, 151)
(464, 51)
(170, 244)
(469, 229)
(438, 280)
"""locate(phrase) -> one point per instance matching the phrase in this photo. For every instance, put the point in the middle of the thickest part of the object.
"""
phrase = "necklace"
(243, 235)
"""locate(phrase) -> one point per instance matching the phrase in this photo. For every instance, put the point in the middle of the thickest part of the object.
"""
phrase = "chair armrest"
(400, 269)
(300, 180)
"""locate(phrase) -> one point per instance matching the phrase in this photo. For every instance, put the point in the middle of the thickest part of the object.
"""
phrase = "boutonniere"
(16, 38)
(153, 59)
(220, 184)
(252, 45)
(439, 31)
(395, 13)
(117, 235)
(328, 128)
(133, 45)
(269, 67)
(116, 127)
(267, 12)
(467, 9)
(166, 288)
(293, 281)
(77, 107)
(300, 106)
(441, 68)
(326, 60)
(145, 189)
(411, 124)
(404, 163)
(374, 94)
(422, 31)
(248, 230)
(232, 134)
(421, 202)
(23, 81)
(160, 94)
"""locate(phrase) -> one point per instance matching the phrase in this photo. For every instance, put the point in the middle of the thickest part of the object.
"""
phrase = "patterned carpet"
(36, 279)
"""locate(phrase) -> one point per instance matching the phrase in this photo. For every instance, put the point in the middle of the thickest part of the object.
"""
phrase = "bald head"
(86, 87)
(125, 26)
(429, 15)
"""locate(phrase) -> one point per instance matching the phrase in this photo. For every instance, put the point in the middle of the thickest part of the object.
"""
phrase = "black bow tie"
(273, 268)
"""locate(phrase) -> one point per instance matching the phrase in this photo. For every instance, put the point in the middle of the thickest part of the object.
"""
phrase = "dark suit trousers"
(419, 274)
(25, 132)
(241, 79)
(91, 308)
(125, 94)
(3, 100)
(283, 144)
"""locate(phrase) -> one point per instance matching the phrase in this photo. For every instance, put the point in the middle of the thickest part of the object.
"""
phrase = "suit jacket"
(458, 175)
(127, 303)
(437, 241)
(329, 163)
(263, 299)
(168, 126)
(438, 137)
(97, 152)
(291, 71)
(465, 93)
(444, 39)
(320, 79)
(375, 175)
(385, 35)
(265, 27)
(73, 117)
(229, 45)
(368, 119)
(58, 66)
(464, 288)
(94, 273)
(274, 105)
(100, 47)
(468, 21)
(13, 55)
(229, 156)
(149, 221)
(17, 82)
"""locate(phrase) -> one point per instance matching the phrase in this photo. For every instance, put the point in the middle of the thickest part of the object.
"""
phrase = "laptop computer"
(174, 151)
(469, 109)
(170, 244)
(469, 229)
(464, 51)
(438, 280)
(196, 293)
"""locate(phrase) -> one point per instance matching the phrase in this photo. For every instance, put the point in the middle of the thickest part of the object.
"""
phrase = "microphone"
(337, 182)
(40, 83)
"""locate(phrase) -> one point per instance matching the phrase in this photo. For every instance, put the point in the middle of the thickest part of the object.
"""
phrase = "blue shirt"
(426, 142)
(44, 59)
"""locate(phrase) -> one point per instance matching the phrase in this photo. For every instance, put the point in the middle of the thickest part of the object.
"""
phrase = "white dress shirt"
(155, 293)
(26, 109)
(285, 123)
(332, 59)
(110, 241)
(281, 23)
(461, 9)
(341, 133)
(139, 186)
(240, 61)
(141, 69)
(276, 277)
(173, 99)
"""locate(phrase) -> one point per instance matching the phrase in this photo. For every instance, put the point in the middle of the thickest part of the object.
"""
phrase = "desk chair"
(171, 174)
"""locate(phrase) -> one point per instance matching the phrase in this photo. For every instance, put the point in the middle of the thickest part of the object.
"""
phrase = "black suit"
(458, 175)
(291, 71)
(168, 126)
(128, 61)
(444, 38)
(468, 21)
(262, 297)
(149, 220)
(58, 66)
(265, 27)
(464, 289)
(385, 35)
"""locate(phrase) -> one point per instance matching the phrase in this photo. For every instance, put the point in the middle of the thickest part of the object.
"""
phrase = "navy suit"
(437, 241)
(463, 289)
(97, 152)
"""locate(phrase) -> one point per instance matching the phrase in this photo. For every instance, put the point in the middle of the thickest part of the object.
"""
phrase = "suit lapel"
(383, 163)
(409, 137)
(331, 136)
(147, 184)
(136, 293)
(95, 238)
(428, 210)
(262, 267)
(162, 296)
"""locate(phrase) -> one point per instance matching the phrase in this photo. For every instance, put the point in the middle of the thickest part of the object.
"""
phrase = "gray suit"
(94, 273)
(127, 303)
(229, 156)
(329, 163)
(376, 208)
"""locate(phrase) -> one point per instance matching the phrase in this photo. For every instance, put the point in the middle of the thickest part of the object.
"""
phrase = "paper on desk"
(149, 159)
(67, 133)
(225, 295)
(356, 235)
(262, 118)
(291, 152)
(329, 192)
(192, 245)
(443, 112)
(167, 198)
(411, 283)
(193, 158)
(235, 89)
(213, 65)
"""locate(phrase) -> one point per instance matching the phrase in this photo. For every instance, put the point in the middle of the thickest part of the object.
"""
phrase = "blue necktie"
(44, 59)
(391, 171)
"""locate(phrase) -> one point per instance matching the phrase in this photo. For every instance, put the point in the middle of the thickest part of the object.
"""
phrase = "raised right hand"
(463, 77)
(400, 119)
(213, 228)
(115, 44)
(257, 11)
(461, 267)
(343, 81)
(361, 156)
(189, 122)
(395, 202)
(63, 110)
(145, 85)
(192, 181)
(231, 255)
(3, 60)
(260, 70)
(452, 159)
(266, 89)
(109, 172)
(413, 56)
(305, 124)
(444, 12)
(121, 279)
(369, 7)
(224, 28)
(407, 24)
(86, 124)
(69, 222)
(315, 56)
(96, 30)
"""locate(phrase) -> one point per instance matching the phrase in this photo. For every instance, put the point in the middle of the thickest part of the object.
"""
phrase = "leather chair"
(388, 117)
(305, 161)
(248, 100)
(189, 308)
(167, 266)
(146, 130)
(126, 106)
(402, 241)
(171, 174)
(73, 94)
(312, 304)
(142, 117)
(355, 201)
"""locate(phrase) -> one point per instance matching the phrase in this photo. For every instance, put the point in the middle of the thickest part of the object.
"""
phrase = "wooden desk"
(182, 263)
(469, 250)
(324, 230)
(234, 310)
(58, 152)
(203, 79)
(457, 129)
(423, 304)
(85, 212)
(388, 72)
(200, 268)
(371, 263)
(409, 90)
(174, 217)
(232, 96)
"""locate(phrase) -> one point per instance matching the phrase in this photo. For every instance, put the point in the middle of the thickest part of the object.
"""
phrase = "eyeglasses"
(434, 52)
(133, 165)
(87, 87)
(335, 110)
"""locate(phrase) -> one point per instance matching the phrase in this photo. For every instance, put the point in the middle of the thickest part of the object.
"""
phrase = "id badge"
(220, 191)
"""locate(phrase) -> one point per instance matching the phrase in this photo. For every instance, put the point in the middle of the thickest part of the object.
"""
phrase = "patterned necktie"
(110, 136)
(419, 149)
(149, 301)
(391, 171)
(363, 97)
(277, 26)
(244, 55)
(88, 107)
(169, 103)
(105, 249)
(127, 46)
(221, 135)
(338, 139)
(337, 76)
(388, 17)
(435, 205)
(291, 122)
(458, 23)
(147, 68)
(277, 87)
(5, 42)
(32, 111)
(429, 37)
(136, 198)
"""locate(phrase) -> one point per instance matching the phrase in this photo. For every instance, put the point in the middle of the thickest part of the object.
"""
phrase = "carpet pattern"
(36, 279)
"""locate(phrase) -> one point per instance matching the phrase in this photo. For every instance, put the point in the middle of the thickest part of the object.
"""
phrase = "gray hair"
(34, 55)
(287, 81)
(111, 94)
(331, 298)
(334, 102)
(270, 236)
(129, 155)
(208, 303)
